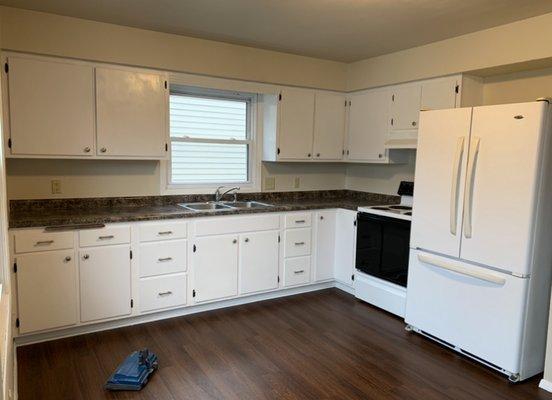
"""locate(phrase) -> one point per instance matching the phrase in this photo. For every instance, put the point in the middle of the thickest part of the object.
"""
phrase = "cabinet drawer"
(298, 242)
(163, 231)
(296, 271)
(163, 257)
(162, 292)
(298, 220)
(104, 236)
(27, 241)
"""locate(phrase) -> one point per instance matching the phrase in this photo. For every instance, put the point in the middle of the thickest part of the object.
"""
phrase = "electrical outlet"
(270, 183)
(56, 186)
(297, 182)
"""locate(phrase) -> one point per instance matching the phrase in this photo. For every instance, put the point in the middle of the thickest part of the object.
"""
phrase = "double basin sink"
(224, 205)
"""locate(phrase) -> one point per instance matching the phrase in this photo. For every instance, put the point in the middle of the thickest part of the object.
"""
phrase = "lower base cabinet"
(258, 261)
(46, 290)
(297, 271)
(160, 292)
(325, 245)
(215, 262)
(104, 282)
(345, 246)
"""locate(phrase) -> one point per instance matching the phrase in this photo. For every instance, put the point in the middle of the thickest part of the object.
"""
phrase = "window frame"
(251, 99)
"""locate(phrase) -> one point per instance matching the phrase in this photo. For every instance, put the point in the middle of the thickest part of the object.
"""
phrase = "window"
(211, 140)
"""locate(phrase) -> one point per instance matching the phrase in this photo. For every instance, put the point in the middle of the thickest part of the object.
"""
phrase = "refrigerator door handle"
(454, 185)
(468, 199)
(487, 277)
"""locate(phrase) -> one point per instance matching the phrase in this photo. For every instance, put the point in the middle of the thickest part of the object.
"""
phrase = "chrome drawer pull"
(299, 272)
(106, 237)
(165, 233)
(168, 292)
(300, 221)
(165, 259)
(299, 243)
(43, 242)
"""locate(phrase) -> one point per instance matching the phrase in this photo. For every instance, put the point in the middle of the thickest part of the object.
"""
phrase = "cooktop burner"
(400, 207)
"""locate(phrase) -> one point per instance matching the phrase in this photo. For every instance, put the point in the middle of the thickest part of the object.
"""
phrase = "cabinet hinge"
(343, 152)
(193, 293)
(345, 103)
(353, 277)
(131, 303)
(166, 147)
(15, 267)
(392, 121)
(280, 97)
(166, 84)
(393, 98)
(354, 222)
(349, 103)
(194, 248)
(457, 89)
(17, 323)
(278, 150)
(279, 239)
(278, 278)
(131, 254)
(9, 143)
(6, 68)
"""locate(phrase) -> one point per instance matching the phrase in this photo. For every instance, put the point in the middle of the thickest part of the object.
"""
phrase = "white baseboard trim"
(546, 385)
(157, 316)
(344, 287)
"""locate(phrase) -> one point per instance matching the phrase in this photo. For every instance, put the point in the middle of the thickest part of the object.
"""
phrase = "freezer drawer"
(481, 311)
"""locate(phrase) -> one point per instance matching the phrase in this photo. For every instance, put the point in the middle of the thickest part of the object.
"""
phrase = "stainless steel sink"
(246, 204)
(207, 206)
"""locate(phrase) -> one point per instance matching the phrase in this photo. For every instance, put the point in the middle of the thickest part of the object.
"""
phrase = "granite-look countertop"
(43, 213)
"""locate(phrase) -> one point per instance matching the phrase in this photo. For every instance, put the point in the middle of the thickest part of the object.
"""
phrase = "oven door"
(383, 247)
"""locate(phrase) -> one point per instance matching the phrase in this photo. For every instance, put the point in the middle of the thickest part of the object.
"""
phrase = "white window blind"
(210, 139)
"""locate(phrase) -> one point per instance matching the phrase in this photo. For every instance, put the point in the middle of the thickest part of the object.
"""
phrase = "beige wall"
(520, 42)
(518, 87)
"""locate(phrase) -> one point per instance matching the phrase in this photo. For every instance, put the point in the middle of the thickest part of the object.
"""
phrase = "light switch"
(56, 186)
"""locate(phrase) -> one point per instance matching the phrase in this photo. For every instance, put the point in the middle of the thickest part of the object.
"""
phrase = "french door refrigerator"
(481, 238)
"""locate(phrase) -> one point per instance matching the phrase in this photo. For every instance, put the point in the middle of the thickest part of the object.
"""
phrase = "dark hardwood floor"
(321, 345)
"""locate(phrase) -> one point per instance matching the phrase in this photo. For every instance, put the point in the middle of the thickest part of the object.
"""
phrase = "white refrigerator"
(481, 241)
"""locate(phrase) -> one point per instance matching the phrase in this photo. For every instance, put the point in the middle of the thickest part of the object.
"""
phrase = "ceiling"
(341, 30)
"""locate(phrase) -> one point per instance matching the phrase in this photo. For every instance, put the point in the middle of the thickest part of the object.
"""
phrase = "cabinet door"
(51, 107)
(405, 107)
(325, 245)
(46, 290)
(329, 126)
(258, 261)
(368, 125)
(104, 282)
(345, 246)
(296, 124)
(438, 94)
(215, 264)
(131, 113)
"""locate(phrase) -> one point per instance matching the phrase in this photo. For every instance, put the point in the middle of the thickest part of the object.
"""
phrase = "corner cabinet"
(61, 108)
(303, 125)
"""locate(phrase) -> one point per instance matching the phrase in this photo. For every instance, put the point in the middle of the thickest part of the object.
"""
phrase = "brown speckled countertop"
(41, 213)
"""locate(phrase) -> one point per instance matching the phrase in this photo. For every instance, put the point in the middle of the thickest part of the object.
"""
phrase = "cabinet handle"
(299, 271)
(235, 241)
(246, 240)
(44, 242)
(413, 123)
(308, 155)
(67, 259)
(165, 259)
(380, 155)
(300, 221)
(299, 243)
(87, 149)
(321, 217)
(168, 292)
(106, 237)
(317, 154)
(86, 256)
(165, 233)
(103, 150)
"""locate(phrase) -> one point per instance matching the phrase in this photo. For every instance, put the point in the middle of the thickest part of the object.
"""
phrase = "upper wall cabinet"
(303, 125)
(131, 113)
(50, 107)
(71, 109)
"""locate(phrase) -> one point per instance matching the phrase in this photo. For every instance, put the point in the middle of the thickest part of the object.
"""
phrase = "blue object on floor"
(133, 373)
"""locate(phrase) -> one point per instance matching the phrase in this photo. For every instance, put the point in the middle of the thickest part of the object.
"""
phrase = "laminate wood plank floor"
(319, 345)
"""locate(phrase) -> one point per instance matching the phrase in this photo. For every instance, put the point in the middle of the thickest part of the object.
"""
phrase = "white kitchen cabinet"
(439, 94)
(405, 107)
(325, 245)
(296, 119)
(132, 113)
(46, 290)
(345, 246)
(258, 261)
(329, 126)
(51, 107)
(368, 126)
(104, 282)
(215, 263)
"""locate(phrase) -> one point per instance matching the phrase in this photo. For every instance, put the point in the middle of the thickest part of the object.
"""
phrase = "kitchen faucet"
(219, 195)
